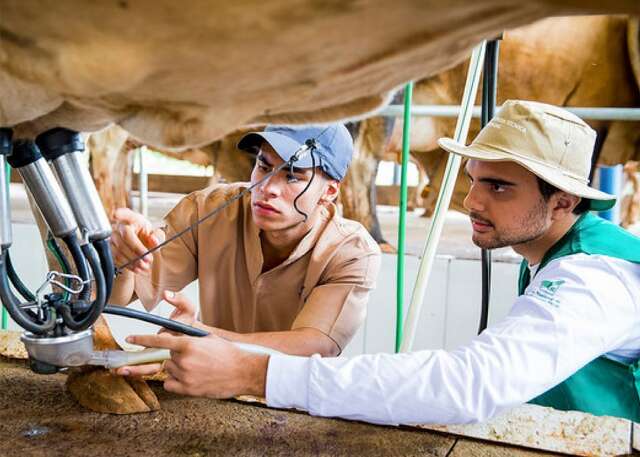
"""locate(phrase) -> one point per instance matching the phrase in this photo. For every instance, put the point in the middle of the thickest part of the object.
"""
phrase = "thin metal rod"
(143, 183)
(406, 143)
(593, 113)
(444, 198)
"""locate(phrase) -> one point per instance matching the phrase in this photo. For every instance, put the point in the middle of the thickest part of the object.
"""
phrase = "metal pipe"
(592, 113)
(63, 148)
(406, 143)
(143, 183)
(610, 180)
(83, 196)
(397, 170)
(444, 198)
(46, 192)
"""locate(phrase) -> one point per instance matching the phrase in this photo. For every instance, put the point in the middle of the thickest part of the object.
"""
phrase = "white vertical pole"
(143, 183)
(444, 198)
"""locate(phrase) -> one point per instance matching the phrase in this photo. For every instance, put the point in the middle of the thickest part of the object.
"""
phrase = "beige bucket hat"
(549, 141)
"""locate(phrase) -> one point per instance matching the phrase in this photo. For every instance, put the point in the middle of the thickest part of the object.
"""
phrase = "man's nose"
(272, 187)
(473, 201)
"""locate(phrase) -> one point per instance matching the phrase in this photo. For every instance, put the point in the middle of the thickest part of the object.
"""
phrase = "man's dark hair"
(547, 190)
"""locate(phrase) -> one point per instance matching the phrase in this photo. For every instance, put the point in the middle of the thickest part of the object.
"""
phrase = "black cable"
(169, 324)
(96, 308)
(17, 282)
(313, 175)
(81, 266)
(106, 260)
(489, 86)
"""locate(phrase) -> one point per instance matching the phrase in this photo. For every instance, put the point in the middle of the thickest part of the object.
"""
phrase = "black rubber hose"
(24, 318)
(17, 282)
(485, 255)
(169, 324)
(81, 265)
(489, 86)
(96, 308)
(103, 248)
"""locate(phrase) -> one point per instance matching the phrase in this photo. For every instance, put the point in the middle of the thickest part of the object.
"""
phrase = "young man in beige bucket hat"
(571, 339)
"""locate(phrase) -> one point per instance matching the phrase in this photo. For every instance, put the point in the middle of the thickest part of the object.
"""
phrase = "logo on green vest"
(547, 291)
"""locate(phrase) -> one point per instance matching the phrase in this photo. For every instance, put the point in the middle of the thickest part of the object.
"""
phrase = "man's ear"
(563, 204)
(331, 192)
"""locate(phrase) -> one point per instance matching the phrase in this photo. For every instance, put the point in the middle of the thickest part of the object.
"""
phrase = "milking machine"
(58, 325)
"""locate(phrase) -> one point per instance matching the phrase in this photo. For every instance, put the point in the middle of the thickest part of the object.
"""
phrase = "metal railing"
(592, 113)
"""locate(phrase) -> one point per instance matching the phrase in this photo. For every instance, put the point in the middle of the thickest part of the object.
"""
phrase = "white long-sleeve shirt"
(576, 309)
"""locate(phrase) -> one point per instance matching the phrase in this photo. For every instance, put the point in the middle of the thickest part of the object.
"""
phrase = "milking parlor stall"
(135, 104)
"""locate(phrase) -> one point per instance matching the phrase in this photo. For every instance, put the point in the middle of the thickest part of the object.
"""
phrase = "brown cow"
(181, 74)
(630, 205)
(579, 61)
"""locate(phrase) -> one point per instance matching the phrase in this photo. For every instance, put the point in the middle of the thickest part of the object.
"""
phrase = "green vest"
(603, 386)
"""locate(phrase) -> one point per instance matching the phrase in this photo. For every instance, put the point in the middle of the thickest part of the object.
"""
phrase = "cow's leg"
(621, 144)
(110, 166)
(630, 205)
(358, 189)
(229, 163)
(434, 163)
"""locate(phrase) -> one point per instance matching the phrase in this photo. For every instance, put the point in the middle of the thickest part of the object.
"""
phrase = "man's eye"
(498, 188)
(263, 167)
(291, 179)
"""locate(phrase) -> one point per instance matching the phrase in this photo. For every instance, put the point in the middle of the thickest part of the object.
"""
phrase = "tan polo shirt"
(324, 284)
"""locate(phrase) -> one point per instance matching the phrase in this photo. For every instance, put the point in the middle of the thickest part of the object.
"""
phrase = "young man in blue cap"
(278, 267)
(571, 340)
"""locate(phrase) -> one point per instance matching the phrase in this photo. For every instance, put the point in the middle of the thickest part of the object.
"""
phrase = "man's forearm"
(304, 341)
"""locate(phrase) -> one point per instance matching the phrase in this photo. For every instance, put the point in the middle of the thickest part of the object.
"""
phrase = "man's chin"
(266, 226)
(486, 243)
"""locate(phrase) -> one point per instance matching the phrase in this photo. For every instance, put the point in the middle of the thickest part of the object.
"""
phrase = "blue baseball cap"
(333, 141)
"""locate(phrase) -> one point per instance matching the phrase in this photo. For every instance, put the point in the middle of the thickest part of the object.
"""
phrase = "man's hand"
(208, 366)
(132, 236)
(185, 312)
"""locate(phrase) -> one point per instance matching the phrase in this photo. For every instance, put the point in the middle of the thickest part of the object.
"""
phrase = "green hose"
(5, 316)
(406, 141)
(55, 250)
